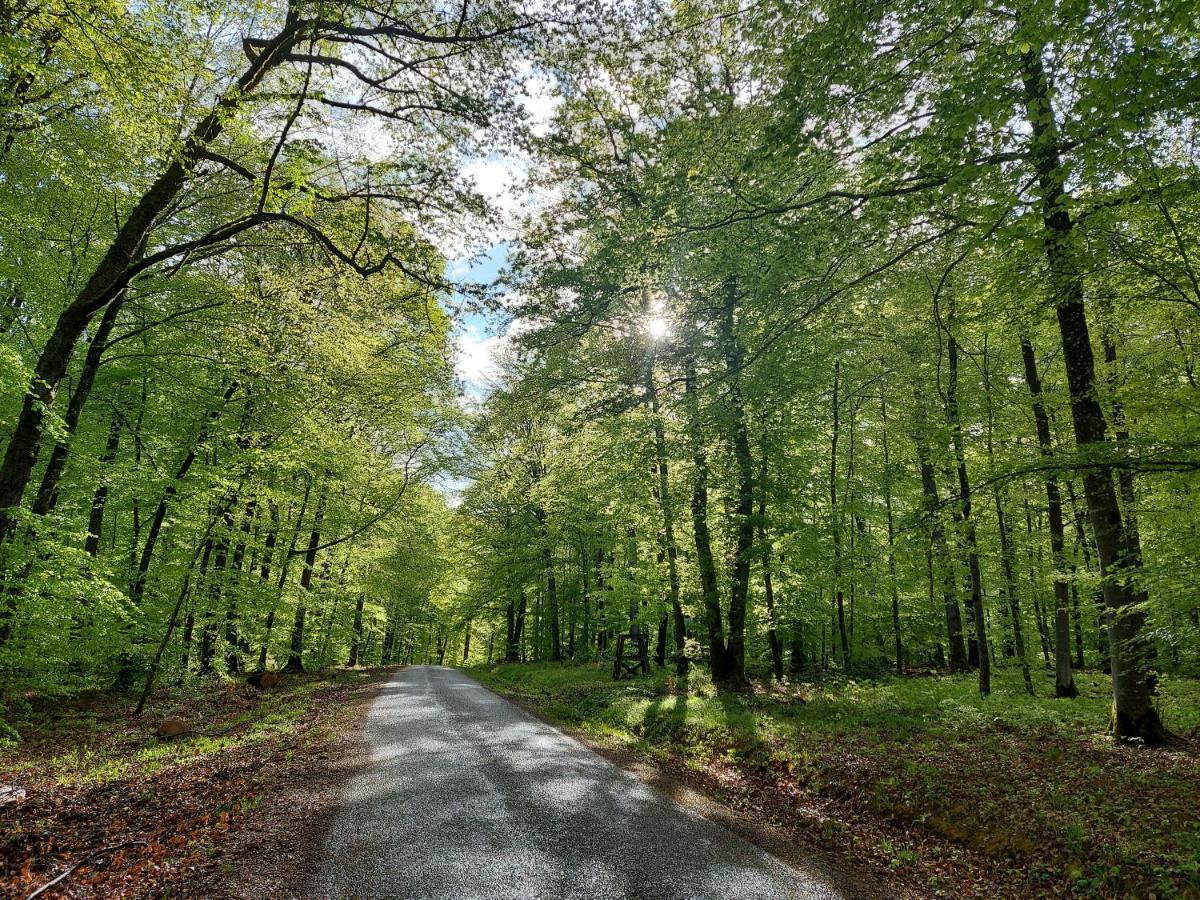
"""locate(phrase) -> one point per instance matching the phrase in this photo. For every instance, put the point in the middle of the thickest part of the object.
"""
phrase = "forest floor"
(919, 778)
(231, 809)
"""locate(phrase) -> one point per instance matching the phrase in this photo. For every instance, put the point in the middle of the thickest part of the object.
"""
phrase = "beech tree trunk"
(1064, 681)
(47, 495)
(601, 613)
(138, 588)
(113, 274)
(891, 534)
(835, 519)
(1131, 650)
(982, 654)
(295, 662)
(667, 510)
(739, 584)
(539, 513)
(773, 641)
(710, 593)
(91, 544)
(941, 553)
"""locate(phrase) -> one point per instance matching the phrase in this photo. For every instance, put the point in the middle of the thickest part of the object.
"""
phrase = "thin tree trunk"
(739, 584)
(208, 633)
(835, 520)
(667, 510)
(295, 662)
(940, 552)
(551, 581)
(891, 534)
(519, 630)
(705, 563)
(773, 641)
(47, 495)
(601, 613)
(138, 588)
(91, 544)
(964, 499)
(1064, 681)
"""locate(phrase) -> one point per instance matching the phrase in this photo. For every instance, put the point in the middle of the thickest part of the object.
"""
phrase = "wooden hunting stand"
(639, 659)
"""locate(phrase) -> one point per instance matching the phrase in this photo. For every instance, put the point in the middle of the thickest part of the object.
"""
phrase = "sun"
(658, 328)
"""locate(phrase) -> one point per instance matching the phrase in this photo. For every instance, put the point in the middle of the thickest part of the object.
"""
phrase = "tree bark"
(1131, 650)
(113, 274)
(773, 642)
(739, 585)
(667, 510)
(91, 544)
(891, 535)
(47, 495)
(709, 591)
(539, 513)
(138, 588)
(937, 536)
(835, 519)
(295, 662)
(1064, 681)
(982, 654)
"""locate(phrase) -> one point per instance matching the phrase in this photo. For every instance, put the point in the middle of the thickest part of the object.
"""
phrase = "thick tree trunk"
(113, 274)
(1130, 647)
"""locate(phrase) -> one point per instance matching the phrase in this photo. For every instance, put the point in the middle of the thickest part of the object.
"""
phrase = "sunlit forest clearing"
(796, 400)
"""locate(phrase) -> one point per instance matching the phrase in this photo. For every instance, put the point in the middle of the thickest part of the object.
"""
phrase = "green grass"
(1032, 783)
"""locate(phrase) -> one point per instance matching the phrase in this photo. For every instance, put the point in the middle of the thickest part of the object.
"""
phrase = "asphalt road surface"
(468, 797)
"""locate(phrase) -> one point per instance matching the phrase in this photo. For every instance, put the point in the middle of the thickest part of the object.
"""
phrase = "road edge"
(853, 881)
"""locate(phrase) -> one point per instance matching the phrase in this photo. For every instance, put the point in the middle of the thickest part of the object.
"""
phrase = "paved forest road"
(468, 797)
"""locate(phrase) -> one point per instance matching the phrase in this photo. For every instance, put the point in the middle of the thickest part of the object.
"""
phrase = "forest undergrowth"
(125, 812)
(920, 778)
